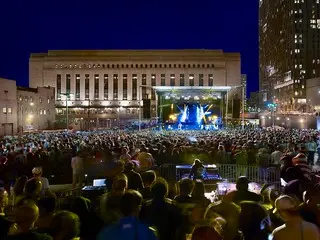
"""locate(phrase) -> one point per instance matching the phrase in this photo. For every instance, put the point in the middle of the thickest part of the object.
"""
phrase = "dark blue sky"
(38, 26)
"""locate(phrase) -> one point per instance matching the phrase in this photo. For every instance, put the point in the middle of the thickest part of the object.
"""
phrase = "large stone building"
(106, 88)
(25, 109)
(289, 51)
(36, 108)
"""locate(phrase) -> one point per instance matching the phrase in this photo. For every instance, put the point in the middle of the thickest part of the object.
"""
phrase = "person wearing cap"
(295, 227)
(37, 174)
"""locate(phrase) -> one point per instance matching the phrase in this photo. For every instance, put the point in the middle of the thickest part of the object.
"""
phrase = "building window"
(44, 112)
(9, 110)
(125, 86)
(144, 83)
(115, 86)
(96, 86)
(41, 112)
(40, 100)
(58, 86)
(86, 86)
(68, 83)
(182, 80)
(77, 86)
(200, 79)
(134, 86)
(210, 82)
(105, 86)
(153, 83)
(172, 80)
(191, 80)
(4, 110)
(163, 80)
(48, 100)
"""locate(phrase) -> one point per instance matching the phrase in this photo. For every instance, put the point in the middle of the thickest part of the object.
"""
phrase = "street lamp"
(67, 95)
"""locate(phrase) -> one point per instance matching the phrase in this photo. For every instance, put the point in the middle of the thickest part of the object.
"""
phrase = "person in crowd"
(65, 225)
(228, 211)
(37, 174)
(252, 216)
(276, 156)
(198, 194)
(161, 212)
(25, 217)
(301, 162)
(205, 233)
(148, 178)
(198, 171)
(134, 178)
(311, 146)
(110, 202)
(186, 187)
(295, 227)
(31, 193)
(4, 221)
(129, 227)
(145, 159)
(77, 165)
(242, 193)
(309, 209)
(18, 189)
(125, 157)
(47, 207)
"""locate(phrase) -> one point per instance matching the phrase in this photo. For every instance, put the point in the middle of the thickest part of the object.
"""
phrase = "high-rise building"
(289, 50)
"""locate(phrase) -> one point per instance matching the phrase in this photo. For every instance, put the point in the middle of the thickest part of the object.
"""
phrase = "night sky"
(38, 26)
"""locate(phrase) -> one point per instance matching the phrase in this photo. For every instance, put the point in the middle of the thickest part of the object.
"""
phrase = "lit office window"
(163, 80)
(181, 79)
(68, 84)
(210, 82)
(200, 79)
(4, 110)
(153, 83)
(77, 86)
(96, 86)
(172, 80)
(58, 87)
(191, 80)
(9, 110)
(134, 86)
(86, 86)
(115, 86)
(125, 86)
(105, 86)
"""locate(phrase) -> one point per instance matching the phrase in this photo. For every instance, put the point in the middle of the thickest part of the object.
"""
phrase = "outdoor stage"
(193, 107)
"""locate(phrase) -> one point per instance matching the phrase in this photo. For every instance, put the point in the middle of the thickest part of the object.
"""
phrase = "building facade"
(289, 51)
(36, 108)
(8, 106)
(106, 88)
(313, 95)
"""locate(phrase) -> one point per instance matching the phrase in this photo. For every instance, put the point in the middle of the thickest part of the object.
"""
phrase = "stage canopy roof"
(191, 91)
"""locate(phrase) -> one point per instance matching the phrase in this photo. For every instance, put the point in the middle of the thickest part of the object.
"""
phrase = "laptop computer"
(99, 182)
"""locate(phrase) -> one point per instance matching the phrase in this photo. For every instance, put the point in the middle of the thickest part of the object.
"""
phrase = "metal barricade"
(261, 175)
(168, 172)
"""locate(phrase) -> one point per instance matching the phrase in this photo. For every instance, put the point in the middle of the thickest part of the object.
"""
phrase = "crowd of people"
(140, 204)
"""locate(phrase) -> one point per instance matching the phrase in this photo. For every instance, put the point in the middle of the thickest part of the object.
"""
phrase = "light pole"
(243, 103)
(67, 95)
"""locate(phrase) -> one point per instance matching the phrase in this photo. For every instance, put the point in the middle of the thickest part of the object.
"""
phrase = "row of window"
(134, 89)
(7, 110)
(134, 66)
(26, 99)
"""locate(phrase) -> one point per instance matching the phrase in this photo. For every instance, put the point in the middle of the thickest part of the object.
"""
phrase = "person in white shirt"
(78, 170)
(295, 228)
(276, 156)
(37, 173)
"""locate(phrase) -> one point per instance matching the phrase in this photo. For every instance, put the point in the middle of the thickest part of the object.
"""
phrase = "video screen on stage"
(194, 116)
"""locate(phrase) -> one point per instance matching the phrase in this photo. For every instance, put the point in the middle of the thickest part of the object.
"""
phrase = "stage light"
(173, 117)
(196, 98)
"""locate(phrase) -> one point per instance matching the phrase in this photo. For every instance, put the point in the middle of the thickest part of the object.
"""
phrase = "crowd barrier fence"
(231, 172)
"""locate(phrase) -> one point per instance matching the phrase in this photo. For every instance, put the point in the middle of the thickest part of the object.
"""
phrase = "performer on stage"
(179, 126)
(198, 171)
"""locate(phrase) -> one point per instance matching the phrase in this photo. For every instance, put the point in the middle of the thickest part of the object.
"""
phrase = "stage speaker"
(236, 108)
(146, 108)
